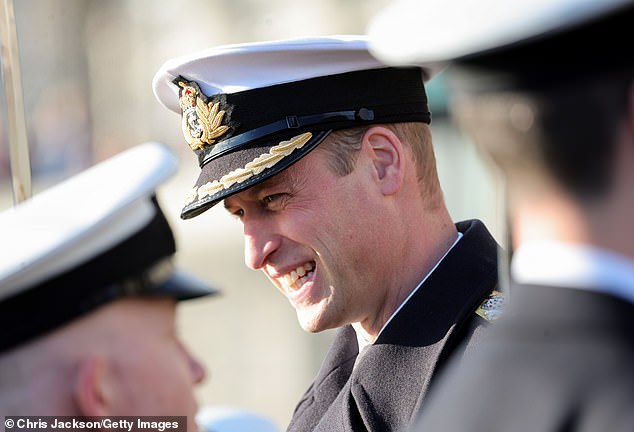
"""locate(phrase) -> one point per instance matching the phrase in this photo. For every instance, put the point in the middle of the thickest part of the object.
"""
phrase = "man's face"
(154, 373)
(312, 233)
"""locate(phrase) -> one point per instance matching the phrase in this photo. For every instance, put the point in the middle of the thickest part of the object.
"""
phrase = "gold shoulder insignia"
(492, 307)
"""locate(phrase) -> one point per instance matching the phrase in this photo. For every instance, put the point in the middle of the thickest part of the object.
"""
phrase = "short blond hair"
(343, 147)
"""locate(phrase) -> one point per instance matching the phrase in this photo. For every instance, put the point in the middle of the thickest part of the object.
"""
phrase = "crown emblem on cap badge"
(201, 120)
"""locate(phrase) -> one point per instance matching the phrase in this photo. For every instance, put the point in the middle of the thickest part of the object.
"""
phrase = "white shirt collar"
(574, 266)
(362, 342)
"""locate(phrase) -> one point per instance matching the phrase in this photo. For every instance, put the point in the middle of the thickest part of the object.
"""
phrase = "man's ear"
(386, 152)
(91, 390)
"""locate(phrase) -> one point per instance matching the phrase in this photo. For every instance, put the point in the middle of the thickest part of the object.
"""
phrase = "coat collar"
(392, 376)
(438, 313)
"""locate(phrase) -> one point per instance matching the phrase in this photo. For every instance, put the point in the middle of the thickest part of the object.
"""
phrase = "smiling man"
(326, 157)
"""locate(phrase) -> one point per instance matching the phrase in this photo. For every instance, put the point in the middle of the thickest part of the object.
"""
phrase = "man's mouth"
(295, 279)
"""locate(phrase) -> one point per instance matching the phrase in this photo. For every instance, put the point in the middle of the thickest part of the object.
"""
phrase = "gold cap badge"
(201, 120)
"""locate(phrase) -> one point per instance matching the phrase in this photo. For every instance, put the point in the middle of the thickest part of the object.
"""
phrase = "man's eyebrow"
(274, 181)
(250, 192)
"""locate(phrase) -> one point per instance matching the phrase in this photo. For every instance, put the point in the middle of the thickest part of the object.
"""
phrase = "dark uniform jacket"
(392, 376)
(559, 359)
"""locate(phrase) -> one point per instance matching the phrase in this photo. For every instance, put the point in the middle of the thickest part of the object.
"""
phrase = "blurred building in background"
(87, 67)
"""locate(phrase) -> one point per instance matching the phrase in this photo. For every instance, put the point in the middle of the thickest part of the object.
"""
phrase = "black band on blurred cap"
(140, 265)
(593, 48)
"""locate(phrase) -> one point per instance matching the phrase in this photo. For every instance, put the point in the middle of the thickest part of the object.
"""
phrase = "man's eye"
(238, 213)
(270, 199)
(273, 201)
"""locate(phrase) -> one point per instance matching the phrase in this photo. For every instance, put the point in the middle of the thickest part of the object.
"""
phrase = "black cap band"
(385, 95)
(133, 267)
(289, 123)
(551, 59)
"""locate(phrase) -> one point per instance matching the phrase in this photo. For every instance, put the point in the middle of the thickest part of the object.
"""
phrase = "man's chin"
(313, 324)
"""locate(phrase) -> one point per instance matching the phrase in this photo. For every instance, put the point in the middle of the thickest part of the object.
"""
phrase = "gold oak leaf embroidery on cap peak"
(201, 121)
(255, 167)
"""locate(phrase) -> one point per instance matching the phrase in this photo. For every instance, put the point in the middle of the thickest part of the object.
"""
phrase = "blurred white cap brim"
(415, 31)
(80, 217)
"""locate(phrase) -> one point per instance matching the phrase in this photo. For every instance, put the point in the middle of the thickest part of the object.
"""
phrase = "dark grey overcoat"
(559, 360)
(392, 376)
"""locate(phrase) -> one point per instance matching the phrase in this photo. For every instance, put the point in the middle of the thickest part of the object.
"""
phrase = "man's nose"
(198, 371)
(260, 241)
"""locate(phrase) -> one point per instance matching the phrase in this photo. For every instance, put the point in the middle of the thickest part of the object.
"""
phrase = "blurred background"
(87, 67)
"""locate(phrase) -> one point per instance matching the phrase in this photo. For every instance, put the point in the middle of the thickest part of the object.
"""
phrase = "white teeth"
(297, 277)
